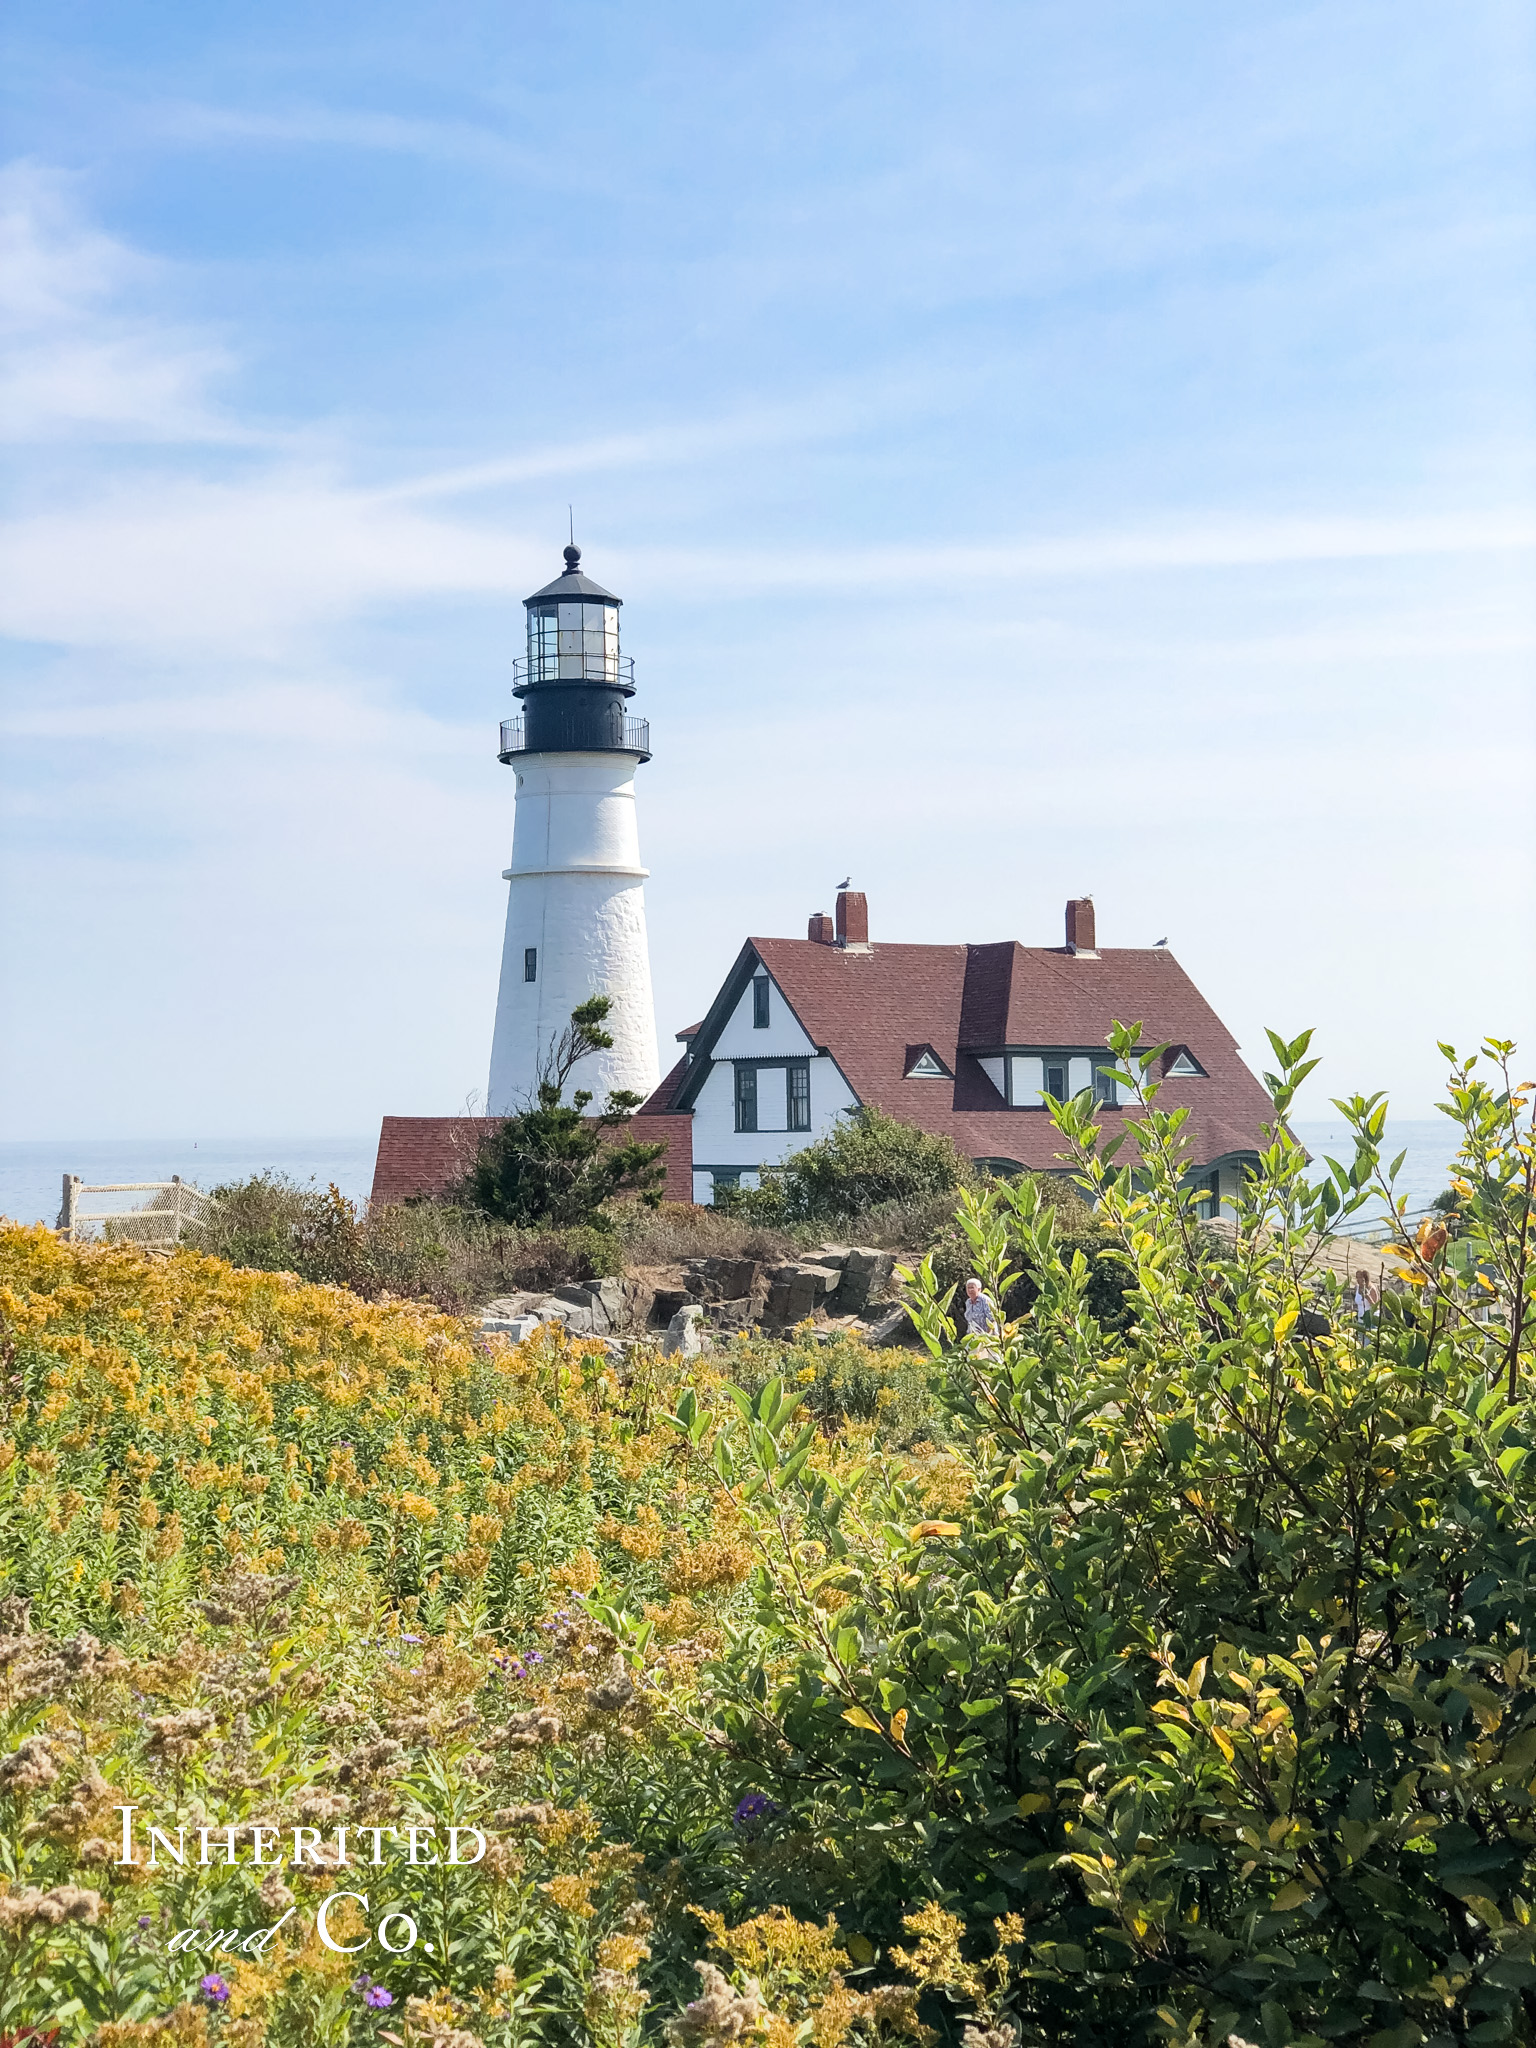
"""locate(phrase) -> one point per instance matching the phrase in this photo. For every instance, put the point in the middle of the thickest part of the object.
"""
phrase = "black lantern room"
(573, 680)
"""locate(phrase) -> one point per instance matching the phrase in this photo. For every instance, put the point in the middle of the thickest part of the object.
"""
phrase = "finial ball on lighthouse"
(576, 903)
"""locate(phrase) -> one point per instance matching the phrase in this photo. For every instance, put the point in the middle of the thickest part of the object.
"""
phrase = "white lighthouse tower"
(576, 909)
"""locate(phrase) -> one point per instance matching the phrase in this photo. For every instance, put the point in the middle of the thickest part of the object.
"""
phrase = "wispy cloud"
(174, 564)
(1240, 541)
(345, 128)
(180, 561)
(77, 363)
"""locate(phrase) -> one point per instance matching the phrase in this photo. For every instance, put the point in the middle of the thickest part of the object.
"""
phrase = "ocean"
(30, 1174)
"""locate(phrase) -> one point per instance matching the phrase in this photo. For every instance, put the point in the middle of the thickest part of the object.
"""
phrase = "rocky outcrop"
(837, 1283)
(835, 1280)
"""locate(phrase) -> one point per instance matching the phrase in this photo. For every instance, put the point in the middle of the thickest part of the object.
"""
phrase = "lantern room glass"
(573, 642)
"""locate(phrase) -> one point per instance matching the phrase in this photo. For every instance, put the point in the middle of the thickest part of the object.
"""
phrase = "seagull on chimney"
(845, 885)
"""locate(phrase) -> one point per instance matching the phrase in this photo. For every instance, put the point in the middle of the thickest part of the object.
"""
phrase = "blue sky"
(1042, 448)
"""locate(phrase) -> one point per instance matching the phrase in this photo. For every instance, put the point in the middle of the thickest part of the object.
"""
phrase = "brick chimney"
(1080, 931)
(819, 931)
(852, 918)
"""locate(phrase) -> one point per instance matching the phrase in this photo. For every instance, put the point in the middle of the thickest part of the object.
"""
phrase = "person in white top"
(980, 1316)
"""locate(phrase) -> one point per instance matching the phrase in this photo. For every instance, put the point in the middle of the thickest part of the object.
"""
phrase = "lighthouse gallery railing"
(637, 738)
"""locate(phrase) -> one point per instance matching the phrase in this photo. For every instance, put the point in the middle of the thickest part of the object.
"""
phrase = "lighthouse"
(576, 902)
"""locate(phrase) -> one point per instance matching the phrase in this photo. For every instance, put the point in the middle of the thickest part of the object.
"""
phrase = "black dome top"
(572, 585)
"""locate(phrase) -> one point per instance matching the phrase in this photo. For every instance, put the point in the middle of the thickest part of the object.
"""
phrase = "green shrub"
(954, 1258)
(842, 1381)
(867, 1159)
(438, 1252)
(1209, 1704)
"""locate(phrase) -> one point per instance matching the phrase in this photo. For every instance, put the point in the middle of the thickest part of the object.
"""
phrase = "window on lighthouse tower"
(574, 642)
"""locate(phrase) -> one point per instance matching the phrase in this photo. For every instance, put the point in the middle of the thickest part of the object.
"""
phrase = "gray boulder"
(599, 1303)
(516, 1329)
(893, 1326)
(799, 1290)
(684, 1338)
(723, 1279)
(866, 1275)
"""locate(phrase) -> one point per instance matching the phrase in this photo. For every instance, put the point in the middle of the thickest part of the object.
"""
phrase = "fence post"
(68, 1206)
(176, 1208)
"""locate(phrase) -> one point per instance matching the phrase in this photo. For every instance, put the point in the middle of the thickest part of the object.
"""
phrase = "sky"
(1045, 447)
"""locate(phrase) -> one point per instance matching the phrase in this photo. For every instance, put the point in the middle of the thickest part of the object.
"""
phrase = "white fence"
(174, 1205)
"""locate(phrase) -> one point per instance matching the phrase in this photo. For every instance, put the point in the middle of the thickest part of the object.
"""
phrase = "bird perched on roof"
(1158, 942)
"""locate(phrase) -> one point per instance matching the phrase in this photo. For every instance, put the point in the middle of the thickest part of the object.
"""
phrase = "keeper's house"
(965, 1040)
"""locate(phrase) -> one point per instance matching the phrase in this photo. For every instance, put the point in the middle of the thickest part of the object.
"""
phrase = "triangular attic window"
(1183, 1064)
(926, 1067)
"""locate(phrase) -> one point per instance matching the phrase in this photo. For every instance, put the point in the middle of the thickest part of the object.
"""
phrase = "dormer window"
(1182, 1064)
(1056, 1073)
(924, 1064)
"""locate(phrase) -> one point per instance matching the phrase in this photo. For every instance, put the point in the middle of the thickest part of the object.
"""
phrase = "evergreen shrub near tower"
(553, 1165)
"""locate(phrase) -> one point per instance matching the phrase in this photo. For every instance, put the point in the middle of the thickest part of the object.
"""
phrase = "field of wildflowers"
(273, 1557)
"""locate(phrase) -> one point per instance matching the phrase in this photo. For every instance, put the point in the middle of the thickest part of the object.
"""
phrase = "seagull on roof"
(1158, 942)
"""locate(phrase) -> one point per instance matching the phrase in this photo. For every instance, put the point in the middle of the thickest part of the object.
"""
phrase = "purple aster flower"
(214, 1988)
(757, 1806)
(410, 1639)
(376, 1995)
(144, 1920)
(533, 1657)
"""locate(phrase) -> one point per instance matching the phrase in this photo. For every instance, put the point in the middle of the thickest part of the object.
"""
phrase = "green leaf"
(1180, 1439)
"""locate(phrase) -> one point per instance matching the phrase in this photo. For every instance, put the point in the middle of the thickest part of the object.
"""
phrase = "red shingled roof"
(425, 1155)
(869, 1008)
